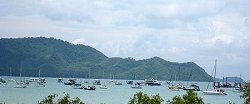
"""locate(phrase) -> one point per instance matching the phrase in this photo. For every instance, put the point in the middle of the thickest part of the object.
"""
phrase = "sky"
(199, 31)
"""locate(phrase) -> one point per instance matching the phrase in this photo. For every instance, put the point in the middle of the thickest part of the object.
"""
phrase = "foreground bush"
(65, 100)
(140, 98)
(246, 94)
(189, 98)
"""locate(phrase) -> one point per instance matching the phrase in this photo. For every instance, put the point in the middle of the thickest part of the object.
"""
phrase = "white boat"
(12, 80)
(215, 91)
(103, 87)
(238, 90)
(20, 85)
(152, 82)
(77, 86)
(136, 86)
(118, 83)
(40, 84)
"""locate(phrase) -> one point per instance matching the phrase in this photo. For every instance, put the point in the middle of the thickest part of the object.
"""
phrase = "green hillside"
(58, 58)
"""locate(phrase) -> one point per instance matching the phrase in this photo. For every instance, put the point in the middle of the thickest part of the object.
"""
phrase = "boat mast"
(21, 66)
(39, 73)
(10, 72)
(215, 73)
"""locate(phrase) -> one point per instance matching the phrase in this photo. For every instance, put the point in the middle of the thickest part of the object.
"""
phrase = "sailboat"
(193, 86)
(175, 87)
(215, 91)
(11, 80)
(40, 82)
(103, 86)
(20, 84)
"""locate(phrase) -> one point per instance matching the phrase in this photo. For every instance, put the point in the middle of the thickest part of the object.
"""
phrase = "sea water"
(115, 94)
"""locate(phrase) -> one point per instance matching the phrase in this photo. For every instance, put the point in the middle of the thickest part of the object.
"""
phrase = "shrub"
(246, 94)
(140, 98)
(65, 100)
(189, 98)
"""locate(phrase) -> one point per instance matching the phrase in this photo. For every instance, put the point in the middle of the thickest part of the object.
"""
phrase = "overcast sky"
(199, 31)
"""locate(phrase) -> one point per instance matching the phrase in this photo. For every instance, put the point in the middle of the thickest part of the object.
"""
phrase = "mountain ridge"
(58, 58)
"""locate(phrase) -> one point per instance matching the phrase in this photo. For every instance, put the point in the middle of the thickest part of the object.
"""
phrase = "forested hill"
(58, 58)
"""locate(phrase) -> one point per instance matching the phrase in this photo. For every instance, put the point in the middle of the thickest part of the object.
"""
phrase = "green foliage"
(65, 100)
(49, 99)
(246, 94)
(58, 58)
(189, 98)
(140, 98)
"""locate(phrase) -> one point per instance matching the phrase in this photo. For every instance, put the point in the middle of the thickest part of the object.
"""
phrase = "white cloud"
(179, 30)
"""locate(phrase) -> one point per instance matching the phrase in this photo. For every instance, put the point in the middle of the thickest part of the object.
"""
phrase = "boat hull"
(214, 93)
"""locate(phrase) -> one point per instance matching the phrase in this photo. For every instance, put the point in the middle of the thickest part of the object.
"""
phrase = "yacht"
(215, 92)
(192, 87)
(152, 82)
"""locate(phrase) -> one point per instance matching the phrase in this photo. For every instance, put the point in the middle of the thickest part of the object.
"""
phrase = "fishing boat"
(216, 90)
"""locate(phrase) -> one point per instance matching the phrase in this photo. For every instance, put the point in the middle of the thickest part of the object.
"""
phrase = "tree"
(140, 98)
(189, 98)
(65, 100)
(246, 94)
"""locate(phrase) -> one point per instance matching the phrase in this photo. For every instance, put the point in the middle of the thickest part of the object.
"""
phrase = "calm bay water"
(116, 94)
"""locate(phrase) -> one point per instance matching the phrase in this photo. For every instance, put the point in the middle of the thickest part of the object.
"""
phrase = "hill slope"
(58, 58)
